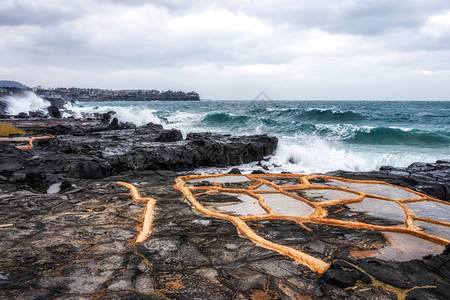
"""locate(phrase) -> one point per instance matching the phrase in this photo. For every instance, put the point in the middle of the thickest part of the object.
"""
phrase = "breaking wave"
(25, 102)
(396, 136)
(348, 133)
(220, 119)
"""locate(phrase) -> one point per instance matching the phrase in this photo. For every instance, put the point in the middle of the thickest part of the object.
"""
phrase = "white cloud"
(437, 26)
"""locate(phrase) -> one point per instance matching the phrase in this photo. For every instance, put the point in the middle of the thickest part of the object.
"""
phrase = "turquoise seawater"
(315, 136)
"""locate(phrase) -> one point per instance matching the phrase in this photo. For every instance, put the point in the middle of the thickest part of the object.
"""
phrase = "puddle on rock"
(287, 206)
(382, 190)
(325, 195)
(248, 207)
(403, 247)
(381, 209)
(430, 209)
(54, 188)
(264, 187)
(434, 229)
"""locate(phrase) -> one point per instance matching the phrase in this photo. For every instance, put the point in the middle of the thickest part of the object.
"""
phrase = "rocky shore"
(68, 230)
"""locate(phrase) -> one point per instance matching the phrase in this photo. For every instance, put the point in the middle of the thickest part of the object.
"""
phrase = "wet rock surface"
(79, 244)
(67, 230)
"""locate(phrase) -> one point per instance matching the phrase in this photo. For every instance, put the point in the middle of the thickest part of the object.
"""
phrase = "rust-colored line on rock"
(439, 222)
(27, 139)
(311, 262)
(148, 212)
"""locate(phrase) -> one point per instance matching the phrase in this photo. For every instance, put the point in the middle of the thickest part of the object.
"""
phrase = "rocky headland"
(68, 229)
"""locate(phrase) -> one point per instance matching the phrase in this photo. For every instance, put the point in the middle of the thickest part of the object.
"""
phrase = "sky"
(290, 49)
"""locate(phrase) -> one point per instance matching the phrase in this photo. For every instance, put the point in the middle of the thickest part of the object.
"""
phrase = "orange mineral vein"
(28, 139)
(148, 212)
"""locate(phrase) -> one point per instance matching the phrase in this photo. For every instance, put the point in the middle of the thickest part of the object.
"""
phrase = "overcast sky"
(290, 49)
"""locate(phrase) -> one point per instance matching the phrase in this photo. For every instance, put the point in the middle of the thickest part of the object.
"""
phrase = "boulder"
(54, 112)
(235, 171)
(58, 102)
(3, 106)
(170, 135)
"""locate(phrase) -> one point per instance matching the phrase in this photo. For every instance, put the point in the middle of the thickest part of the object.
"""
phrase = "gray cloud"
(218, 46)
(23, 12)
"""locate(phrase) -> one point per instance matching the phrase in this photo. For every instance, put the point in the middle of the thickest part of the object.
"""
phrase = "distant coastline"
(102, 95)
(8, 87)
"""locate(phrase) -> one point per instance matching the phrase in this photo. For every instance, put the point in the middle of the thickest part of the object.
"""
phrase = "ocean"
(314, 136)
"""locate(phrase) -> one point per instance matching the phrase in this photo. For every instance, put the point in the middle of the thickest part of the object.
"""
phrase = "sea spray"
(137, 116)
(133, 114)
(316, 155)
(25, 102)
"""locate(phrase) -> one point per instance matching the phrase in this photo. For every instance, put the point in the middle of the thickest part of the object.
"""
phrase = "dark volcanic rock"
(235, 171)
(54, 112)
(344, 274)
(22, 115)
(12, 159)
(156, 133)
(3, 107)
(171, 135)
(36, 114)
(428, 278)
(58, 102)
(230, 150)
(116, 125)
(98, 150)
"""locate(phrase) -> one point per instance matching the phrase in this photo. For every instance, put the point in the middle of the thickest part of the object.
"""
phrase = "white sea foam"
(186, 122)
(320, 156)
(137, 115)
(405, 129)
(343, 131)
(317, 156)
(25, 103)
